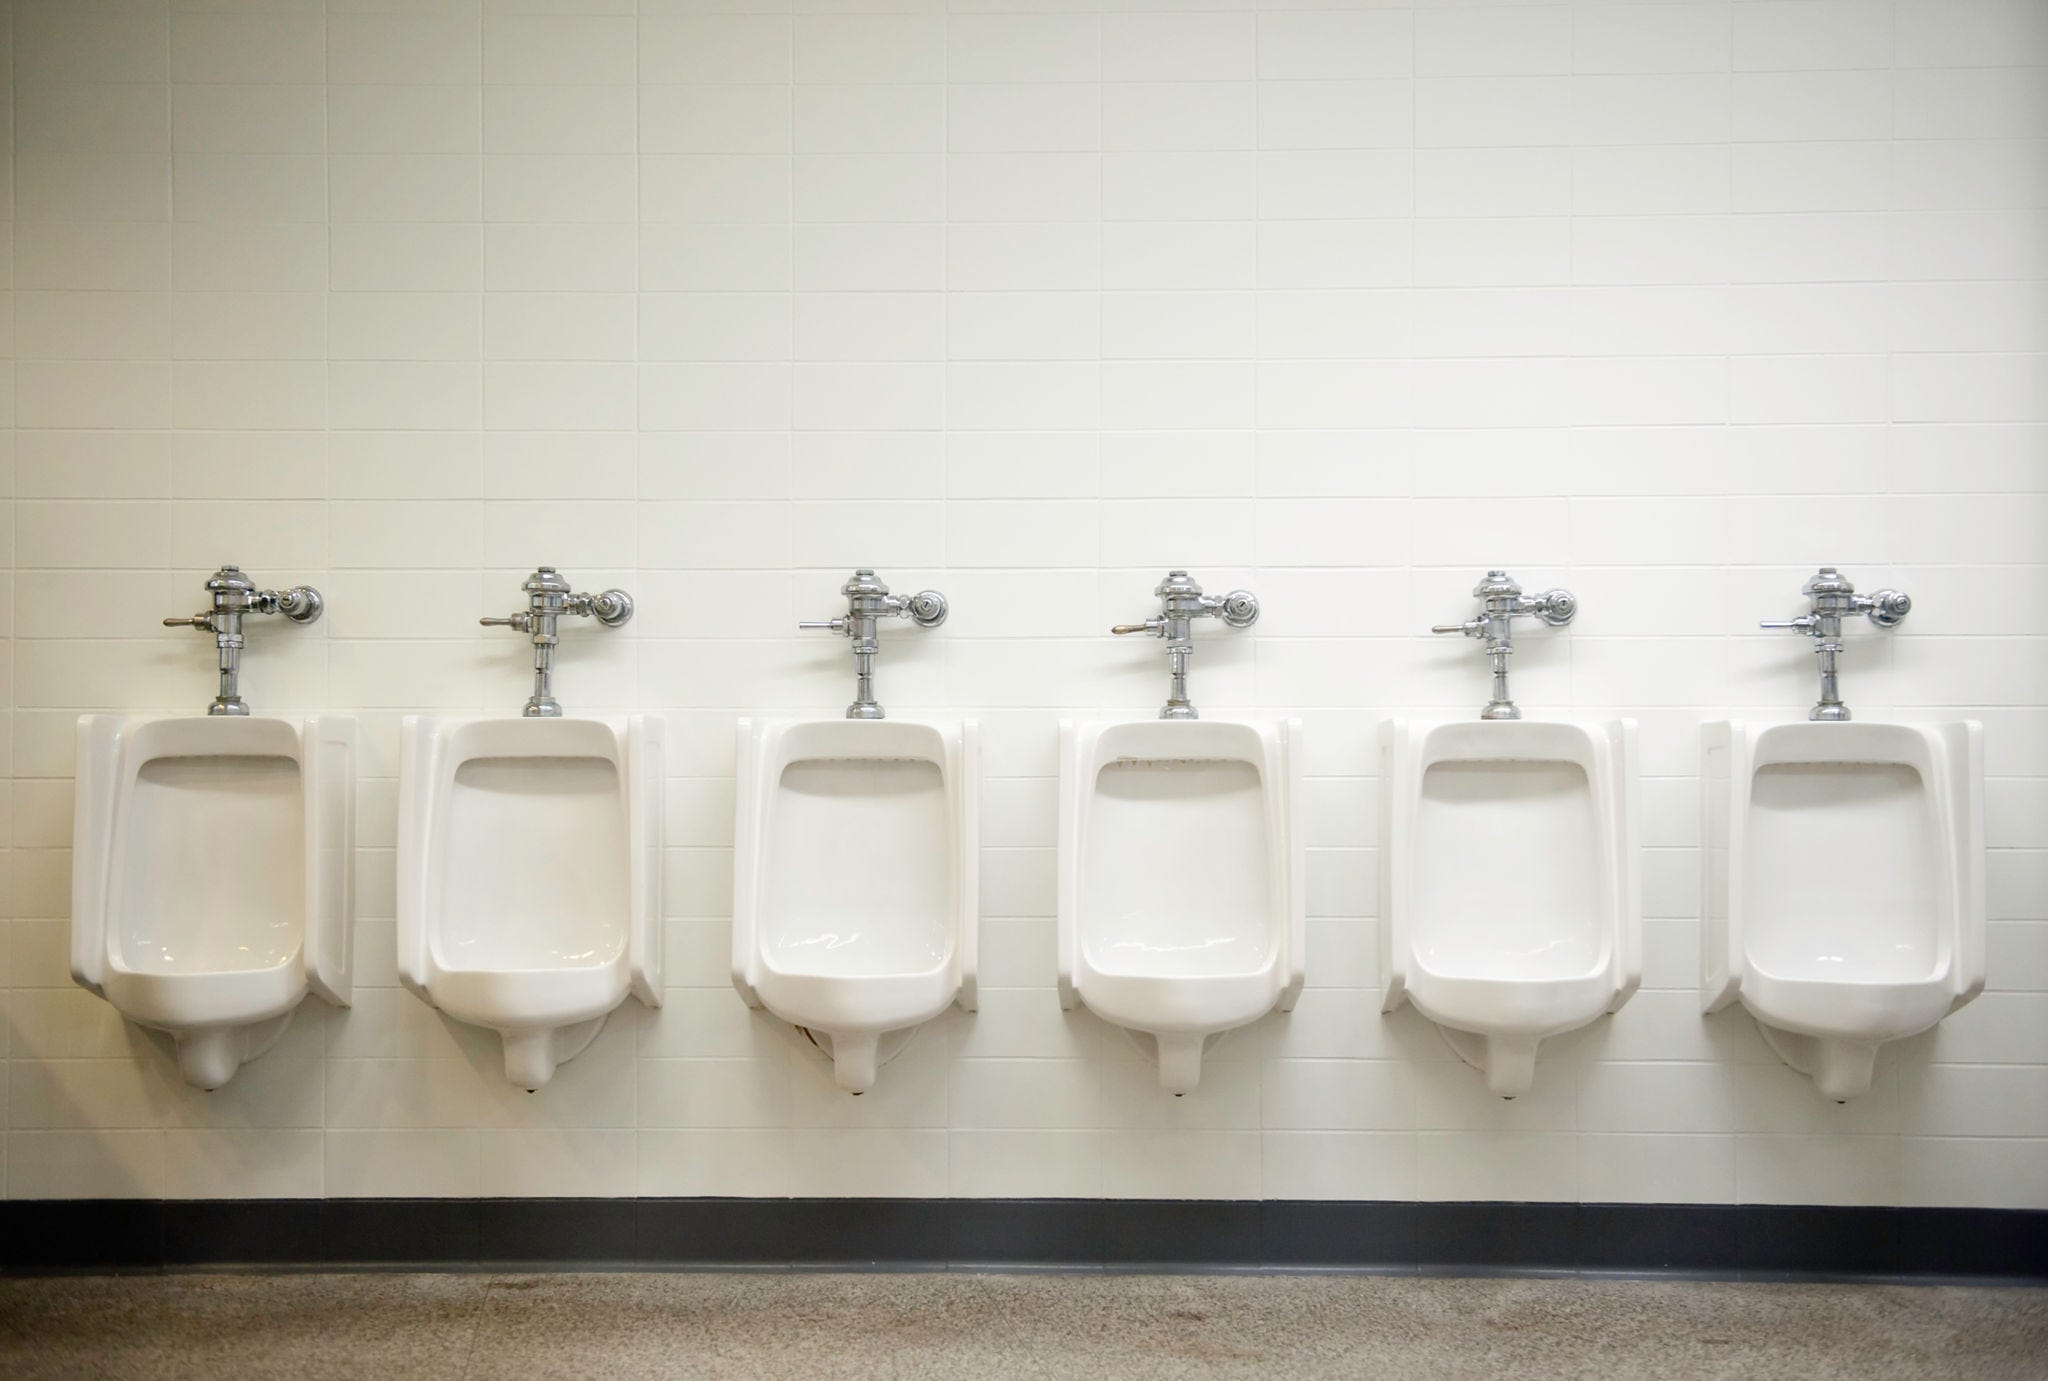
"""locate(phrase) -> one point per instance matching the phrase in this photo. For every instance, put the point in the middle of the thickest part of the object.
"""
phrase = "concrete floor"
(1008, 1326)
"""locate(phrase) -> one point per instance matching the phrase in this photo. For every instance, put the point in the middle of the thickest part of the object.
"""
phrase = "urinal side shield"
(966, 752)
(746, 902)
(1396, 747)
(1289, 828)
(1622, 735)
(1723, 754)
(1068, 903)
(328, 759)
(95, 778)
(422, 741)
(646, 781)
(1967, 756)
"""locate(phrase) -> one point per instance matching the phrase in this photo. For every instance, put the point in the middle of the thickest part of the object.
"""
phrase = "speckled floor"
(966, 1326)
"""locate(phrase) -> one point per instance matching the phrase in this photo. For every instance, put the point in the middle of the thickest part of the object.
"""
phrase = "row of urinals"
(1843, 903)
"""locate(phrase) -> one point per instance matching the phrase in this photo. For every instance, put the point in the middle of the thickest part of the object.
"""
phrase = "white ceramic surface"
(855, 894)
(1843, 884)
(1510, 907)
(1181, 911)
(212, 875)
(529, 876)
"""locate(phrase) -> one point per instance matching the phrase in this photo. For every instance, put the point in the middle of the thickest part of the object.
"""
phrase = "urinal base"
(1841, 1069)
(209, 1056)
(531, 1057)
(857, 1060)
(1508, 1062)
(1180, 1059)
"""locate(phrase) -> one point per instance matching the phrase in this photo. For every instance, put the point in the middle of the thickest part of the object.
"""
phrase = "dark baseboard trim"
(1718, 1240)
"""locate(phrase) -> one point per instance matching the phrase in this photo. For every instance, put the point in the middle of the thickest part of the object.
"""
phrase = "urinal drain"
(1148, 1048)
(892, 1045)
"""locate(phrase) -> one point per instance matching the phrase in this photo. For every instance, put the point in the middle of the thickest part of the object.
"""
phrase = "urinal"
(855, 901)
(529, 876)
(529, 856)
(1181, 909)
(1843, 887)
(855, 843)
(1510, 905)
(212, 866)
(213, 857)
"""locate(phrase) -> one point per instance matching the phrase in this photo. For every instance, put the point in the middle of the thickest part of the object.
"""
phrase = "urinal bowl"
(1181, 910)
(212, 884)
(1844, 885)
(529, 876)
(1510, 900)
(855, 900)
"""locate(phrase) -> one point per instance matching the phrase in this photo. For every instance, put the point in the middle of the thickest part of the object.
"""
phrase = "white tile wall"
(1026, 300)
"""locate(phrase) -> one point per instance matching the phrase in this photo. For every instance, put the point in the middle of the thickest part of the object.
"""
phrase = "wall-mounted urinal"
(1510, 904)
(1181, 908)
(1843, 887)
(855, 900)
(213, 857)
(529, 858)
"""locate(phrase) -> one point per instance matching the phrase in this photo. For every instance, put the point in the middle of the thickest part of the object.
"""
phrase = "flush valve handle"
(1888, 608)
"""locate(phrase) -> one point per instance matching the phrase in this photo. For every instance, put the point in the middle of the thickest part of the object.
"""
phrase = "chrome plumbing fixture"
(1500, 600)
(549, 598)
(867, 601)
(235, 595)
(1181, 602)
(1834, 599)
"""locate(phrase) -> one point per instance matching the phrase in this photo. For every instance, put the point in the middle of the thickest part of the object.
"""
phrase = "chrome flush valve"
(1500, 601)
(1835, 599)
(234, 595)
(548, 599)
(1181, 602)
(868, 601)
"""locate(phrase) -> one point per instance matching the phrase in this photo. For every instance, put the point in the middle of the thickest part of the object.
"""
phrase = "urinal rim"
(947, 857)
(952, 746)
(1264, 738)
(1082, 759)
(427, 767)
(1955, 770)
(1613, 781)
(451, 756)
(1930, 741)
(132, 750)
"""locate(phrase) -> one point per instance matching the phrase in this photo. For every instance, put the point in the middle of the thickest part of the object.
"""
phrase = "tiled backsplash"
(1667, 303)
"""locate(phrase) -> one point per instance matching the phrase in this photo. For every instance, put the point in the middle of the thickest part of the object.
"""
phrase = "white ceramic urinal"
(1843, 885)
(1510, 908)
(1181, 911)
(212, 876)
(855, 900)
(529, 876)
